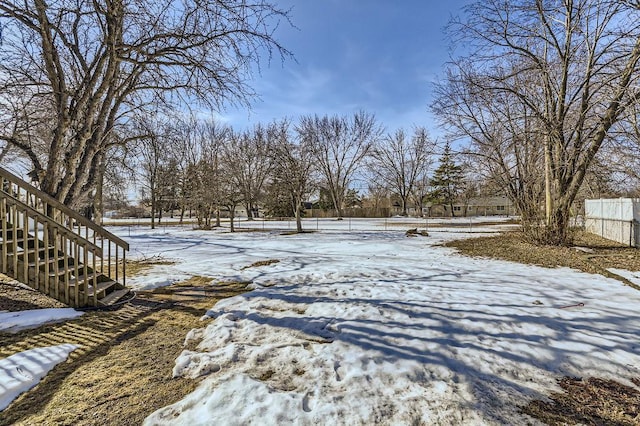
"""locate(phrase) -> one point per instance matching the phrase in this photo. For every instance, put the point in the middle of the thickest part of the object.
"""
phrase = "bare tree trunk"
(232, 213)
(98, 202)
(547, 182)
(404, 206)
(153, 210)
(299, 216)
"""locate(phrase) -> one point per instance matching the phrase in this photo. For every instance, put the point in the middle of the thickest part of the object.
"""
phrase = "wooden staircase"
(57, 251)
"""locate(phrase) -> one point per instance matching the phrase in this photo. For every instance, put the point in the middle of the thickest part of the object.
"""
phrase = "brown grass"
(139, 266)
(17, 297)
(592, 402)
(122, 372)
(512, 246)
(261, 263)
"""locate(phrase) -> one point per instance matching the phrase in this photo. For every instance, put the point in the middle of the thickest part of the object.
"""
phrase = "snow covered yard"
(369, 327)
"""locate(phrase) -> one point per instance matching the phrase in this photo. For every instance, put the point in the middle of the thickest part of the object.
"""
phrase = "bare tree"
(339, 144)
(203, 180)
(379, 195)
(504, 136)
(251, 163)
(229, 176)
(95, 63)
(573, 65)
(399, 164)
(293, 167)
(153, 157)
(115, 172)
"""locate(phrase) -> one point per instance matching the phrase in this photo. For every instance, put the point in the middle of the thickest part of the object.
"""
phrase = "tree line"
(208, 168)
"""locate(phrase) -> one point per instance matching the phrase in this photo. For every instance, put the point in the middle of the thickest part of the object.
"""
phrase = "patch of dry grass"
(139, 266)
(592, 402)
(295, 232)
(261, 263)
(17, 297)
(123, 371)
(512, 246)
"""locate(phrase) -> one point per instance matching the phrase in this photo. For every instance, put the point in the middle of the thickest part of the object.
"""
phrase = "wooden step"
(11, 230)
(71, 269)
(20, 242)
(29, 253)
(41, 262)
(112, 298)
(102, 287)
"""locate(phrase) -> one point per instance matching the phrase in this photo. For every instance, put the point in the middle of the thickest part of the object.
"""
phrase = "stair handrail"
(48, 199)
(60, 227)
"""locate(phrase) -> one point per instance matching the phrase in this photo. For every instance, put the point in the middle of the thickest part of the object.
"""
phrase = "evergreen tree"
(447, 181)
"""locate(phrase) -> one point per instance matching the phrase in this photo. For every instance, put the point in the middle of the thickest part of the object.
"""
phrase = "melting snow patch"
(12, 322)
(634, 277)
(24, 370)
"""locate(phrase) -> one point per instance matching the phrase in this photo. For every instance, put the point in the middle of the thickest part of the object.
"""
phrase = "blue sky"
(377, 55)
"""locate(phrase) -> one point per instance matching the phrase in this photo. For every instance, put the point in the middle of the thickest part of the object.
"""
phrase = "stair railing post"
(5, 256)
(124, 267)
(117, 263)
(85, 274)
(56, 265)
(36, 255)
(47, 257)
(102, 256)
(25, 246)
(65, 256)
(15, 239)
(95, 281)
(109, 259)
(76, 271)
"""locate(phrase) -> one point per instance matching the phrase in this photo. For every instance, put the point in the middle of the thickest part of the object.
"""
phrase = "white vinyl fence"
(615, 219)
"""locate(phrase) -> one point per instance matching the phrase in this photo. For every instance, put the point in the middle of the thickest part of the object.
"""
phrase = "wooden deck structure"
(57, 251)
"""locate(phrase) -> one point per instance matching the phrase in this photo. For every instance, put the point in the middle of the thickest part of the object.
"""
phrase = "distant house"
(477, 206)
